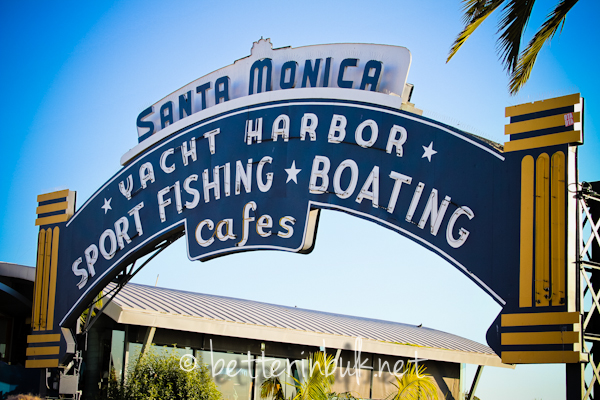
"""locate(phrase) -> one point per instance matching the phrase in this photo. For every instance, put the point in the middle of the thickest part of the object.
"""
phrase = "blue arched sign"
(239, 163)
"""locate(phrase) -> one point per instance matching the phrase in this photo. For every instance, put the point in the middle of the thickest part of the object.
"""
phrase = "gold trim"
(55, 219)
(53, 195)
(45, 338)
(52, 284)
(540, 357)
(557, 228)
(543, 105)
(542, 235)
(43, 351)
(552, 121)
(526, 242)
(63, 205)
(51, 363)
(45, 280)
(38, 280)
(558, 337)
(534, 319)
(553, 139)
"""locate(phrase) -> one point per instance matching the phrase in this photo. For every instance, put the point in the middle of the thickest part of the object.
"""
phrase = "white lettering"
(244, 177)
(463, 233)
(199, 238)
(228, 223)
(91, 256)
(163, 161)
(359, 131)
(253, 134)
(162, 203)
(365, 193)
(186, 154)
(251, 205)
(286, 223)
(284, 130)
(264, 187)
(399, 180)
(80, 272)
(190, 190)
(135, 211)
(113, 244)
(415, 201)
(344, 194)
(211, 139)
(126, 191)
(146, 174)
(178, 203)
(337, 129)
(398, 142)
(309, 125)
(317, 173)
(121, 228)
(264, 221)
(214, 185)
(431, 209)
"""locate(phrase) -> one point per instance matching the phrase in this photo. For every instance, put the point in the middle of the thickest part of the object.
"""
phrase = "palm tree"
(414, 383)
(316, 386)
(272, 388)
(514, 20)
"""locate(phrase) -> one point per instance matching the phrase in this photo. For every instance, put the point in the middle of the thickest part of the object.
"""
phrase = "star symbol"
(428, 151)
(292, 173)
(106, 205)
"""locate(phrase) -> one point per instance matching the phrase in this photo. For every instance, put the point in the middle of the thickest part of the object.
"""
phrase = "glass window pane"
(276, 369)
(230, 373)
(117, 347)
(136, 348)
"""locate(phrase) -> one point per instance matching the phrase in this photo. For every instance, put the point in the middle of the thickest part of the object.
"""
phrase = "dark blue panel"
(222, 89)
(311, 73)
(348, 62)
(145, 124)
(202, 90)
(166, 114)
(291, 66)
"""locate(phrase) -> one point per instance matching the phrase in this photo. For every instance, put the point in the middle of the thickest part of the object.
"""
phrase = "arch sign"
(245, 157)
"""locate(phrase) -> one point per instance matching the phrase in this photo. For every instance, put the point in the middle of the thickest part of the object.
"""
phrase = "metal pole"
(475, 382)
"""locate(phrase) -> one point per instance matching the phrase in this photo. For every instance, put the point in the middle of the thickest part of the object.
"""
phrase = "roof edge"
(12, 270)
(266, 333)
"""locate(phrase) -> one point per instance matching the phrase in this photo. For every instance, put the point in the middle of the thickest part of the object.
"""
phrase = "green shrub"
(159, 376)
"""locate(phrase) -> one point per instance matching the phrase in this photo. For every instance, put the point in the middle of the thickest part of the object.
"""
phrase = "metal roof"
(17, 271)
(176, 309)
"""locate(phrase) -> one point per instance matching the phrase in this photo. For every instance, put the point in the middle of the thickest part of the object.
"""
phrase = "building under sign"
(230, 334)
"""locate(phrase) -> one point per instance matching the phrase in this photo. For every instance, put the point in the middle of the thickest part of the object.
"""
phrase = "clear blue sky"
(74, 76)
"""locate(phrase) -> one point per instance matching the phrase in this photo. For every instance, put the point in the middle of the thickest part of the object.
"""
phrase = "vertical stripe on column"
(542, 217)
(39, 272)
(52, 284)
(526, 252)
(46, 277)
(557, 209)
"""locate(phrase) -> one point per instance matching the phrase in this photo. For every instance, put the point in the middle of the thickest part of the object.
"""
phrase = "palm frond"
(556, 19)
(514, 21)
(472, 8)
(97, 306)
(271, 387)
(317, 386)
(414, 384)
(475, 12)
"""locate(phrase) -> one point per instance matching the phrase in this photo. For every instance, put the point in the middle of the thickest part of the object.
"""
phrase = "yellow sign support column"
(547, 313)
(44, 343)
